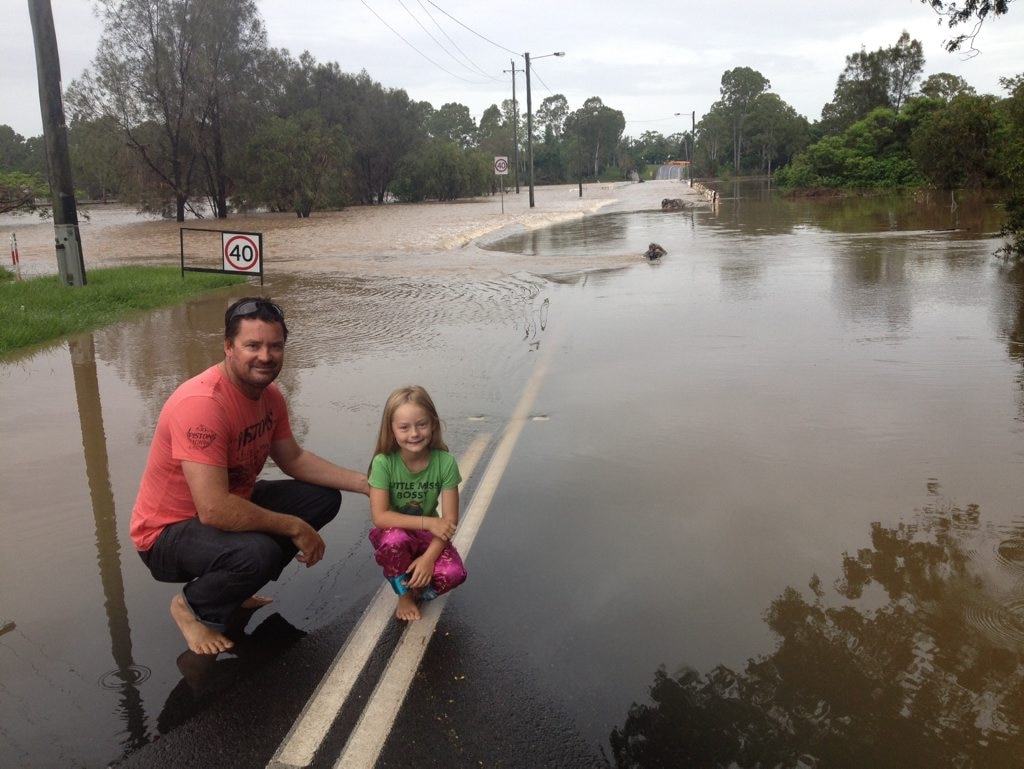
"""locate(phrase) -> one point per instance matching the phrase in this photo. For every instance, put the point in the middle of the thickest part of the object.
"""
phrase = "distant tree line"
(185, 108)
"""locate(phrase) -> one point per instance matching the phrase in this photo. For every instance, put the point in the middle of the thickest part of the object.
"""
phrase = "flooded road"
(773, 480)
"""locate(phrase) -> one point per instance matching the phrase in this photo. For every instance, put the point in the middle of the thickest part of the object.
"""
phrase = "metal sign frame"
(258, 236)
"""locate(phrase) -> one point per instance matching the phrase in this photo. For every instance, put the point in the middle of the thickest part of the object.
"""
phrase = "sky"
(658, 61)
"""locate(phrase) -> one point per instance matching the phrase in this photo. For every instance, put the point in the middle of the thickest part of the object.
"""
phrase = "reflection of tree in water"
(920, 665)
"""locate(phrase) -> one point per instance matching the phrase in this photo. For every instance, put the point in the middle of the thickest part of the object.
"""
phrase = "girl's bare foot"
(256, 602)
(200, 638)
(407, 609)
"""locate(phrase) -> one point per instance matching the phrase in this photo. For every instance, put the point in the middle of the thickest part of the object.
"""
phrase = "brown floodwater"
(773, 479)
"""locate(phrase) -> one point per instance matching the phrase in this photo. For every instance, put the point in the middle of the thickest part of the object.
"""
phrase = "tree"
(19, 192)
(957, 13)
(1011, 161)
(713, 132)
(905, 62)
(551, 114)
(944, 86)
(297, 163)
(955, 146)
(882, 78)
(453, 123)
(384, 127)
(99, 157)
(599, 129)
(740, 86)
(230, 68)
(164, 71)
(861, 87)
(775, 131)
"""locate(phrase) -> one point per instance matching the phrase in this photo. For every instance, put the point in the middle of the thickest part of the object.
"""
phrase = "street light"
(529, 115)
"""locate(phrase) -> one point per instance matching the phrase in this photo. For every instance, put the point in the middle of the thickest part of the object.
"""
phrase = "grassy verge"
(44, 309)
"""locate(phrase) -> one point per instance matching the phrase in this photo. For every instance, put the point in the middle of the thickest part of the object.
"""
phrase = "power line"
(487, 39)
(436, 41)
(456, 45)
(397, 34)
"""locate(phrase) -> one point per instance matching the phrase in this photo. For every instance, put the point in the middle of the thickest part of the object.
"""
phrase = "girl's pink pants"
(396, 549)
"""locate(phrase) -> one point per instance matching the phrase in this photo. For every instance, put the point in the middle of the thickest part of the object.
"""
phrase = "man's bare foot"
(200, 638)
(407, 609)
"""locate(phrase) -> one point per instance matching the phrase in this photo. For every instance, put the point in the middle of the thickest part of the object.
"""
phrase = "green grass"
(44, 309)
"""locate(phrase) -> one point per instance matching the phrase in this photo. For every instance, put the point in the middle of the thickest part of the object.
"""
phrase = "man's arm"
(303, 465)
(223, 510)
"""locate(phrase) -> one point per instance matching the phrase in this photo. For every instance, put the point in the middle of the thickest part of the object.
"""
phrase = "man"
(201, 516)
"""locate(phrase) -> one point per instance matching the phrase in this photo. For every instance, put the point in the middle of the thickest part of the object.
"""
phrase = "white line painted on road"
(378, 717)
(303, 739)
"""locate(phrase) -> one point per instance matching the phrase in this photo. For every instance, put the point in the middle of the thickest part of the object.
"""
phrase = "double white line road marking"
(370, 733)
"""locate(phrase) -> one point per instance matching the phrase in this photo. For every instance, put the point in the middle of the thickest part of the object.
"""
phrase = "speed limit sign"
(501, 165)
(241, 251)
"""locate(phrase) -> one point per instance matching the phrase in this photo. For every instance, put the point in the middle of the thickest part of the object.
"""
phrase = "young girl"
(411, 470)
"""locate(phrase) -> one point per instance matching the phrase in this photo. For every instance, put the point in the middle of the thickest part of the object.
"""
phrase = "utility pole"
(529, 125)
(70, 264)
(515, 120)
(529, 116)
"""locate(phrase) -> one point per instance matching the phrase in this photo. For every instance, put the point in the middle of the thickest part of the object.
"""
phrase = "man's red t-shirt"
(206, 420)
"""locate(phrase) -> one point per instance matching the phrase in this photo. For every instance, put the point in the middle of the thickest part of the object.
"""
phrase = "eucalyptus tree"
(740, 87)
(453, 123)
(551, 115)
(713, 132)
(384, 126)
(945, 86)
(872, 79)
(598, 128)
(169, 72)
(905, 62)
(776, 132)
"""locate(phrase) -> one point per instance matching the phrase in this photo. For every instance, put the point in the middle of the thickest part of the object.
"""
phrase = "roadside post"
(501, 169)
(15, 259)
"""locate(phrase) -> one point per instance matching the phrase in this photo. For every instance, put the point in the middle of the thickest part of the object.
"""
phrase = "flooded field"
(773, 479)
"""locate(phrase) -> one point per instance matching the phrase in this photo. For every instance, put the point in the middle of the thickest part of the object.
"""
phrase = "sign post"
(501, 169)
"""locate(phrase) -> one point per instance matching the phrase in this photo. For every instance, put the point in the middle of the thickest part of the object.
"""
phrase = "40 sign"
(242, 251)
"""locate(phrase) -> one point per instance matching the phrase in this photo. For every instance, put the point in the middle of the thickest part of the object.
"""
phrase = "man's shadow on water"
(206, 676)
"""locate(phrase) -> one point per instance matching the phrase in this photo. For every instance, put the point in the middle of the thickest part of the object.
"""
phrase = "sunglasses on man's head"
(248, 308)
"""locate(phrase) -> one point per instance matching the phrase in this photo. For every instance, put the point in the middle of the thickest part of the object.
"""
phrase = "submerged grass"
(44, 309)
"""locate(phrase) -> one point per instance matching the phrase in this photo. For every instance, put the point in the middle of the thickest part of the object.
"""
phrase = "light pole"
(686, 144)
(529, 116)
(515, 119)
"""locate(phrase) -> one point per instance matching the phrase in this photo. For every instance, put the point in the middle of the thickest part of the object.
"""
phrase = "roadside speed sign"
(501, 165)
(241, 251)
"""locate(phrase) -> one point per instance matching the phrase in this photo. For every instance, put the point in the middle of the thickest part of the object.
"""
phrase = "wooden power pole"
(70, 264)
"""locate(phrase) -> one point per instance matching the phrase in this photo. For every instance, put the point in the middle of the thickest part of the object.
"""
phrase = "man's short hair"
(252, 308)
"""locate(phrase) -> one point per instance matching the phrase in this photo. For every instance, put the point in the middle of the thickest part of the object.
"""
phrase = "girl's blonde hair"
(416, 395)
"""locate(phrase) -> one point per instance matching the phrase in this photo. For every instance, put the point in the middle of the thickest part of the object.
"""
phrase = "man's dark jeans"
(224, 568)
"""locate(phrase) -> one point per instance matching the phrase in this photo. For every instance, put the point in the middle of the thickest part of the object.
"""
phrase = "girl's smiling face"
(413, 429)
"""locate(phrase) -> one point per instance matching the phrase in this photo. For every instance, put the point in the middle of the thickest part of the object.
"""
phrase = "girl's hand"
(439, 527)
(422, 571)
